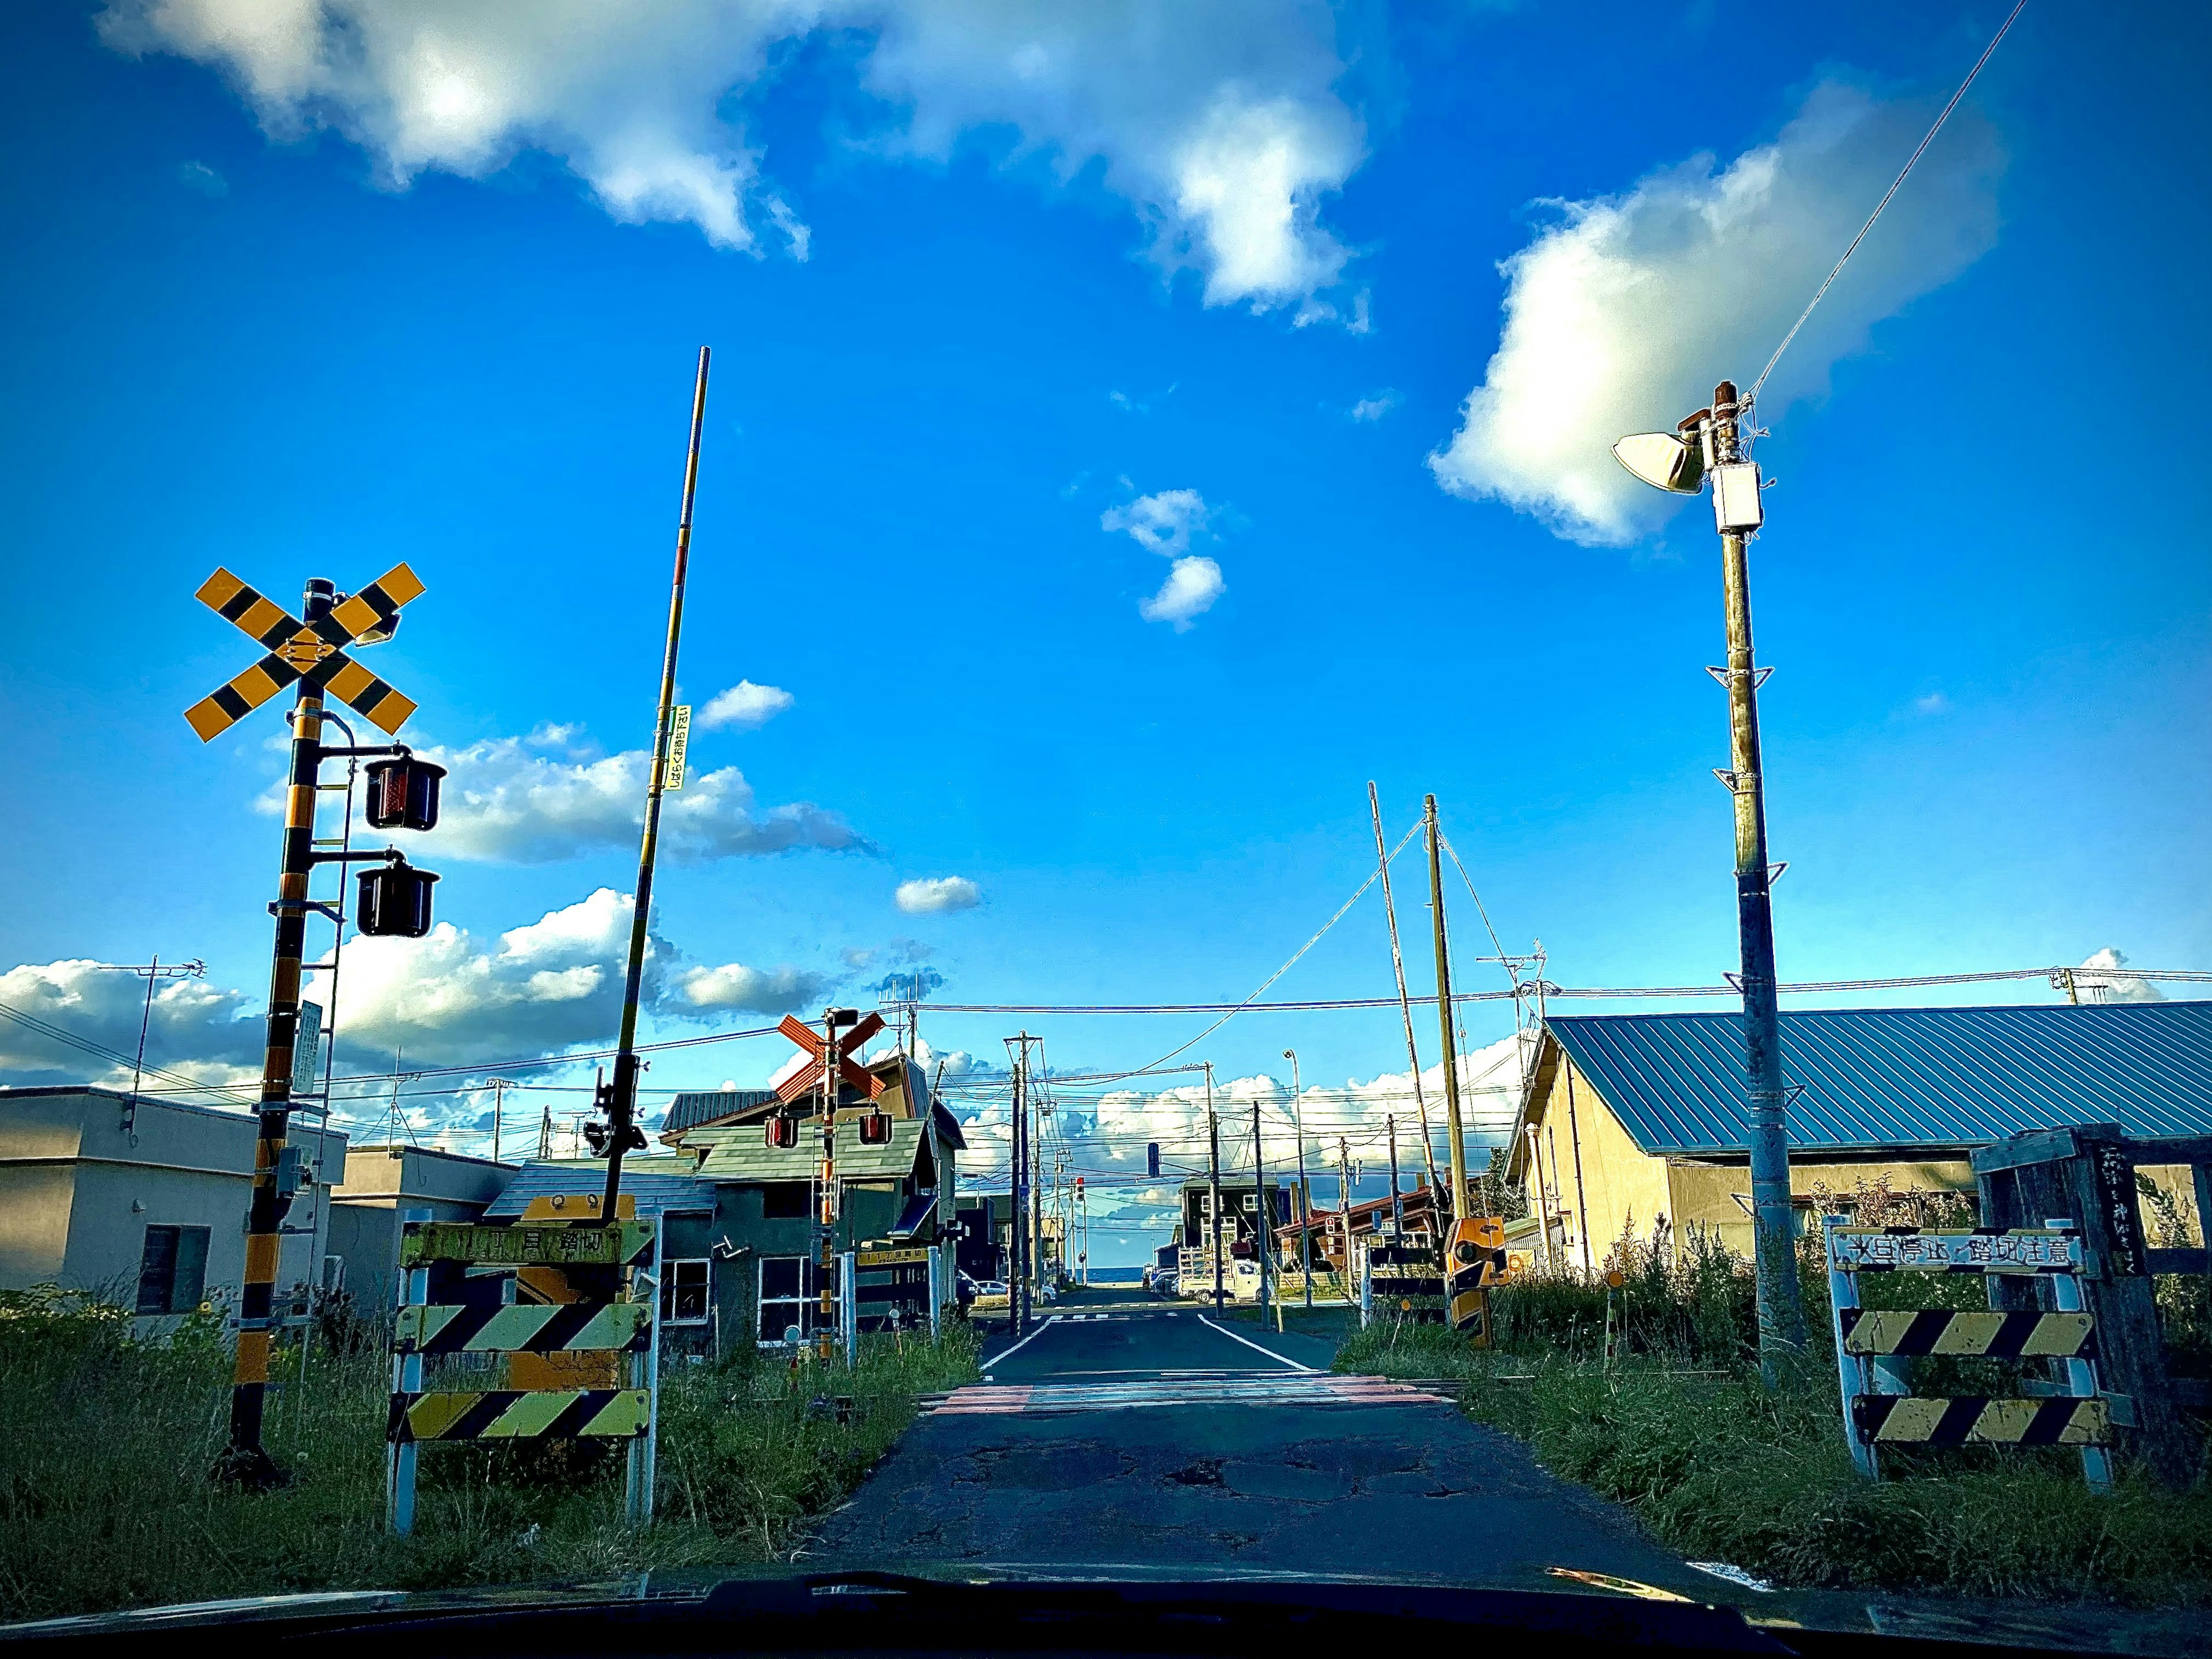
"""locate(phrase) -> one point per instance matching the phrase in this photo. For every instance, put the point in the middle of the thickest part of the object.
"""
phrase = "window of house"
(684, 1292)
(784, 1281)
(787, 1200)
(173, 1270)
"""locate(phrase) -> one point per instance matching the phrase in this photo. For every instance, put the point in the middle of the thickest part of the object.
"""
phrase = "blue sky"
(307, 298)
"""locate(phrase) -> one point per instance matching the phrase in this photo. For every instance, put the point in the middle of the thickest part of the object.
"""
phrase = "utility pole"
(1263, 1217)
(1454, 1129)
(829, 1327)
(1344, 1205)
(1397, 1203)
(619, 1101)
(1781, 1316)
(545, 1133)
(1398, 966)
(1710, 445)
(1214, 1179)
(1017, 1211)
(1037, 1105)
(1305, 1190)
(499, 1085)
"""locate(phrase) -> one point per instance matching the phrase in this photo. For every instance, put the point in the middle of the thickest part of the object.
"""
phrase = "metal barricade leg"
(399, 1455)
(2080, 1376)
(1851, 1372)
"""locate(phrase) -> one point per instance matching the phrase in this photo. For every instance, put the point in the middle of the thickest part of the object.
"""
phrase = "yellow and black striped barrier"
(520, 1414)
(1985, 1335)
(1889, 1419)
(554, 1327)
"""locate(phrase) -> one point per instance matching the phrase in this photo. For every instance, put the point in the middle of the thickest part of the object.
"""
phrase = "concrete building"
(1633, 1120)
(382, 1181)
(142, 1200)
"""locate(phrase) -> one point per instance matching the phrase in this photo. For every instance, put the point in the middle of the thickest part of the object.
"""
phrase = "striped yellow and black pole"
(244, 1460)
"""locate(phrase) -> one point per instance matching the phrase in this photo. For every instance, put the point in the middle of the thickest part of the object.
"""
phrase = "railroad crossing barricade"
(1477, 1259)
(1875, 1346)
(1405, 1282)
(553, 1326)
(893, 1286)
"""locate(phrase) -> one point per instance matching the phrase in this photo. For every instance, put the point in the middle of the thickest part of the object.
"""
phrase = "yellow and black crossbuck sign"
(1909, 1419)
(306, 651)
(520, 1414)
(555, 1327)
(1990, 1335)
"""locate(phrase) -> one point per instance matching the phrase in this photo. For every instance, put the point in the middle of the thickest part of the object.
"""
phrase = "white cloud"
(445, 998)
(196, 1029)
(733, 985)
(1622, 316)
(1163, 522)
(1374, 408)
(2106, 986)
(1220, 125)
(548, 796)
(938, 894)
(746, 704)
(199, 176)
(1192, 586)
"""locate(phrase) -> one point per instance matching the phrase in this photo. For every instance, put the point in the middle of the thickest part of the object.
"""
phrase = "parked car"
(990, 1293)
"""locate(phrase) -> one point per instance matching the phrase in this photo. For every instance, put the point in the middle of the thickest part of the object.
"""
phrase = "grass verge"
(1682, 1432)
(104, 1500)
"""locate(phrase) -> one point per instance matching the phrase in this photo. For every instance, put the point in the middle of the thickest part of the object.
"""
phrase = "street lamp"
(1305, 1193)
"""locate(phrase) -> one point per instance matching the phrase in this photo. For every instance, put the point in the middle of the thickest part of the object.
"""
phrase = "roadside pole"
(1037, 1187)
(1455, 1130)
(1305, 1192)
(1017, 1213)
(1344, 1205)
(1398, 966)
(1213, 1180)
(1263, 1219)
(1781, 1315)
(1397, 1203)
(619, 1099)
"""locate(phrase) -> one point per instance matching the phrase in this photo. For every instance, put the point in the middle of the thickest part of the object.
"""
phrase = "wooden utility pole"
(1344, 1205)
(1397, 1203)
(1016, 1212)
(1305, 1190)
(1455, 1128)
(1214, 1179)
(1781, 1315)
(1398, 966)
(1263, 1219)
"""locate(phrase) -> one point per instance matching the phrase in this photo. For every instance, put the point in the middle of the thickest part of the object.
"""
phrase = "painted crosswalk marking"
(1305, 1389)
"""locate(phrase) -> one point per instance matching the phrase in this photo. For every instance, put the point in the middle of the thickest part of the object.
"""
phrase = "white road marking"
(1050, 1321)
(1248, 1343)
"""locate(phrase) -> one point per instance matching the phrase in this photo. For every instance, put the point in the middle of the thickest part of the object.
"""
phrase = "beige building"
(1636, 1122)
(142, 1200)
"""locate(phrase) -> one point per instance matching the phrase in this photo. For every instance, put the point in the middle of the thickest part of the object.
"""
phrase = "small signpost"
(559, 1309)
(1875, 1347)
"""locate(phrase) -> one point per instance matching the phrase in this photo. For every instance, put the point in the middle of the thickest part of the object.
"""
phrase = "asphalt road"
(1154, 1440)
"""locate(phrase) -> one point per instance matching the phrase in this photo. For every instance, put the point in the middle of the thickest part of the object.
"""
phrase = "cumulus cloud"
(549, 796)
(2095, 982)
(1164, 523)
(733, 985)
(448, 998)
(196, 1030)
(746, 705)
(1192, 586)
(1374, 408)
(936, 895)
(1622, 315)
(913, 985)
(1221, 124)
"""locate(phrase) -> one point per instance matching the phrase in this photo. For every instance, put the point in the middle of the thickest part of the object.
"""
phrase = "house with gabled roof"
(1636, 1123)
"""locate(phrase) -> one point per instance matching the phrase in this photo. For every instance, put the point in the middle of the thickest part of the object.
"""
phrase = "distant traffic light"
(394, 900)
(403, 793)
(1078, 1189)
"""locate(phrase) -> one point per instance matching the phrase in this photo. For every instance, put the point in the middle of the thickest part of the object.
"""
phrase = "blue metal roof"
(1907, 1077)
(657, 1183)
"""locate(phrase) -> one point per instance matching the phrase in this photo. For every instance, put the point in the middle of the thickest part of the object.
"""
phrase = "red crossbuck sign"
(800, 1081)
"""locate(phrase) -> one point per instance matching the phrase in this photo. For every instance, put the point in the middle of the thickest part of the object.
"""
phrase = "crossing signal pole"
(619, 1100)
(1709, 444)
(309, 652)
